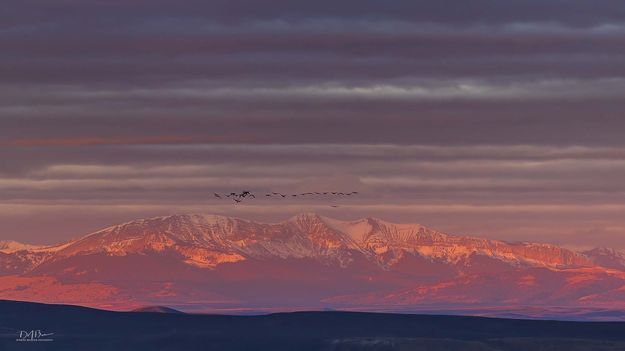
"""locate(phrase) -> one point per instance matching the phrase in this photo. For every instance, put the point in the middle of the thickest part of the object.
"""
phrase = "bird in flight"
(239, 197)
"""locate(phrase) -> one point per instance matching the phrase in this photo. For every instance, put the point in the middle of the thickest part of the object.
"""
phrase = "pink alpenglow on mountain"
(208, 263)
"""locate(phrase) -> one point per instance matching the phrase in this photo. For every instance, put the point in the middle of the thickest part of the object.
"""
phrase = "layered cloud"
(500, 119)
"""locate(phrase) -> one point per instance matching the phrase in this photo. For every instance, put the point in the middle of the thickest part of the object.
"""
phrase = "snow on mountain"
(606, 257)
(209, 240)
(303, 261)
(380, 237)
(10, 246)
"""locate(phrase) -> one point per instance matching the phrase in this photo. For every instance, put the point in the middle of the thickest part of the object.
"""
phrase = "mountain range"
(215, 263)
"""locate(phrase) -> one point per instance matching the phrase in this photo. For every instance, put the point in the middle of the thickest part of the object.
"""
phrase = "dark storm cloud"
(499, 117)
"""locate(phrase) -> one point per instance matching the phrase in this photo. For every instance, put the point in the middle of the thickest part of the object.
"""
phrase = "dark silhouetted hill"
(79, 328)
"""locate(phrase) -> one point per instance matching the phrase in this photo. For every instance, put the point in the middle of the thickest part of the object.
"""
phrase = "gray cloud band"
(116, 110)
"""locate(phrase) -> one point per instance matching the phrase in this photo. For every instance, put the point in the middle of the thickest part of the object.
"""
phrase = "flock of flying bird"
(239, 197)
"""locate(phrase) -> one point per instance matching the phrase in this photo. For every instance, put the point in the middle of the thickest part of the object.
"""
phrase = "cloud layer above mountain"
(481, 117)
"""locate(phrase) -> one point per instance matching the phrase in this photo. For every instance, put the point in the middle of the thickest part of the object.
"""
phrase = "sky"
(499, 119)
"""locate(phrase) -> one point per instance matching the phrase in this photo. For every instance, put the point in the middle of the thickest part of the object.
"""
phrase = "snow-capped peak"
(208, 240)
(606, 257)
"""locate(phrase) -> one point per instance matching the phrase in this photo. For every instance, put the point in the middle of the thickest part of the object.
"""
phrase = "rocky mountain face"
(306, 261)
(606, 257)
(9, 246)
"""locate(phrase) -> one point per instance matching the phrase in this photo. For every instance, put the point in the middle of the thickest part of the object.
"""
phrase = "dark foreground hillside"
(78, 328)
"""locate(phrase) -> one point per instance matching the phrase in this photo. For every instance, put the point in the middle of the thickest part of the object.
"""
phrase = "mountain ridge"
(209, 240)
(306, 260)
